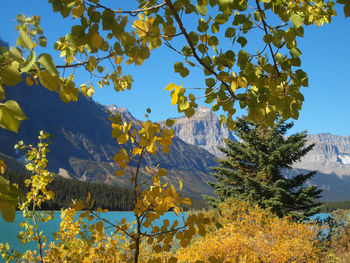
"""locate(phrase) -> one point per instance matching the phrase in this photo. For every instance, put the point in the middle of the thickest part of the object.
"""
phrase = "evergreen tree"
(252, 170)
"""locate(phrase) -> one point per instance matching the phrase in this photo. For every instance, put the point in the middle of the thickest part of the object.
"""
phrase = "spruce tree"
(253, 170)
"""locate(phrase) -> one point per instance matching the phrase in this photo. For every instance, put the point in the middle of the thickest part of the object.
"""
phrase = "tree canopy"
(252, 170)
(266, 81)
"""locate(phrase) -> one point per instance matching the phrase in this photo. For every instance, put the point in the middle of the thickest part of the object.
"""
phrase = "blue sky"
(326, 58)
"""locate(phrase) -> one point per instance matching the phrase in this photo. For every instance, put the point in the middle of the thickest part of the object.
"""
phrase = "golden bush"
(244, 233)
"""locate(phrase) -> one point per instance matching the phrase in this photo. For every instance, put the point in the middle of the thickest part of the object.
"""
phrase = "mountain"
(330, 157)
(203, 130)
(331, 154)
(82, 146)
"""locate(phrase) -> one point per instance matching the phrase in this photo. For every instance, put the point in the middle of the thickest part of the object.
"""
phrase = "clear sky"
(326, 59)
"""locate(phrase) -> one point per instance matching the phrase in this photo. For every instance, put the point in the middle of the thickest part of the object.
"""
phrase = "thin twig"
(132, 12)
(188, 39)
(270, 47)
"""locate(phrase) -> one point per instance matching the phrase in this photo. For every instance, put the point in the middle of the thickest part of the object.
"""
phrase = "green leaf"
(15, 54)
(96, 17)
(21, 18)
(202, 25)
(10, 75)
(242, 40)
(257, 16)
(279, 57)
(47, 62)
(194, 38)
(107, 20)
(29, 62)
(11, 115)
(297, 20)
(8, 211)
(230, 32)
(215, 28)
(268, 38)
(48, 81)
(170, 122)
(210, 82)
(97, 40)
(189, 112)
(295, 52)
(243, 57)
(25, 38)
(183, 104)
(202, 9)
(180, 68)
(78, 11)
(42, 41)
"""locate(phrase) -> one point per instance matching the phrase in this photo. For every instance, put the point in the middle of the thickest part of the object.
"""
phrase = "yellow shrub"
(242, 233)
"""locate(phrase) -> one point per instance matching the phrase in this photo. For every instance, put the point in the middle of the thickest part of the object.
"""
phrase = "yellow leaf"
(171, 86)
(118, 60)
(90, 91)
(120, 173)
(157, 249)
(186, 201)
(136, 151)
(2, 166)
(162, 172)
(234, 85)
(87, 200)
(123, 221)
(29, 81)
(78, 11)
(181, 185)
(99, 226)
(140, 16)
(204, 38)
(97, 40)
(242, 82)
(78, 206)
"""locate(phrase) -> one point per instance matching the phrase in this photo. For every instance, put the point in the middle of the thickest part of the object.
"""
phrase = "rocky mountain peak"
(203, 111)
(203, 130)
(331, 154)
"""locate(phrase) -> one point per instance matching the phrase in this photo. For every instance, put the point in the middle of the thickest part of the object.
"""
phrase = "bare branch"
(270, 47)
(188, 39)
(132, 12)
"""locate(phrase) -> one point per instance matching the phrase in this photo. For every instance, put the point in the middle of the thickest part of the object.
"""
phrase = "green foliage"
(111, 197)
(267, 82)
(337, 244)
(328, 207)
(9, 195)
(252, 170)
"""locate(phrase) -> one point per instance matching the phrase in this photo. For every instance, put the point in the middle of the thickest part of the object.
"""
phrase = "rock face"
(82, 146)
(331, 154)
(203, 130)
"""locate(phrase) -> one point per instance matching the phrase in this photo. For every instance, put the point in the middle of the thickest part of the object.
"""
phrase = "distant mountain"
(331, 154)
(82, 146)
(3, 43)
(203, 130)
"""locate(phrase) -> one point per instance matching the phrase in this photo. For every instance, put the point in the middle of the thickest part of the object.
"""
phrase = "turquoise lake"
(9, 231)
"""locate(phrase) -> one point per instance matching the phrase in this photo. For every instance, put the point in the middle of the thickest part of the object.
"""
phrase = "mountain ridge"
(83, 147)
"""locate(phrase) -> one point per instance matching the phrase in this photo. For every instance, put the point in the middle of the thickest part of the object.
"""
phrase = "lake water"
(9, 231)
